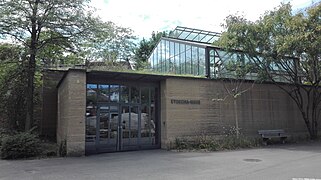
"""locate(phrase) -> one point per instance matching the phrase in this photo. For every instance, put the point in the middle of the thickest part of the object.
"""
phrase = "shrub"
(196, 143)
(233, 142)
(62, 148)
(3, 133)
(20, 145)
(228, 142)
(181, 143)
(49, 149)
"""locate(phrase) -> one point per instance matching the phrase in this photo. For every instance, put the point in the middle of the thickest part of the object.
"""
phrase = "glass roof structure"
(191, 51)
(196, 35)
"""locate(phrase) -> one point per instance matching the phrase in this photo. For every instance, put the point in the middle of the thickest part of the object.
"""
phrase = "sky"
(146, 16)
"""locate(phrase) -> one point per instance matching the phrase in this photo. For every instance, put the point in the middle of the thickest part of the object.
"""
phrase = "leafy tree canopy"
(52, 31)
(145, 48)
(285, 46)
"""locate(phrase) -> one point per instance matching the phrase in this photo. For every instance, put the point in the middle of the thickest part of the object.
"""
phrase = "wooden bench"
(269, 134)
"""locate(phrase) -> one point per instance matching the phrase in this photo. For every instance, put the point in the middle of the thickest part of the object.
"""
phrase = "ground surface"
(273, 162)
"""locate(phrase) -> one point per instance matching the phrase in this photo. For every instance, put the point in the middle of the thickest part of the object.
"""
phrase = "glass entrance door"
(121, 118)
(108, 128)
(118, 128)
(130, 123)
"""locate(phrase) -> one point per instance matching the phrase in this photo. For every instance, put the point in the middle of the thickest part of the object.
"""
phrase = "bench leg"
(265, 141)
(283, 140)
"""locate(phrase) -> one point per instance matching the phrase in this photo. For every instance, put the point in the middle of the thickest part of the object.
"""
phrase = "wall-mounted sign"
(185, 101)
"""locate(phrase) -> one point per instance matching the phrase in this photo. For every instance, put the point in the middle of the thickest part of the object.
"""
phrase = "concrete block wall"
(264, 106)
(71, 112)
(48, 124)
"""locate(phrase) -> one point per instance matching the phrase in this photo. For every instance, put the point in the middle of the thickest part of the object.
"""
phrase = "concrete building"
(91, 111)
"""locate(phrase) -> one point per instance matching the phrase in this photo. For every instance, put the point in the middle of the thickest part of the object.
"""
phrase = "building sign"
(185, 101)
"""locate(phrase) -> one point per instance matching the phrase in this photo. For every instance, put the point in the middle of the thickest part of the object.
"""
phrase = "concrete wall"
(48, 124)
(264, 106)
(71, 112)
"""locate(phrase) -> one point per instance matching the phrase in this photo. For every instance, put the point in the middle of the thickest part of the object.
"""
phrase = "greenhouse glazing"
(191, 52)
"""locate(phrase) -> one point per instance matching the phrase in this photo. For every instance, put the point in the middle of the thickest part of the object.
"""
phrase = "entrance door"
(118, 128)
(121, 118)
(130, 123)
(108, 128)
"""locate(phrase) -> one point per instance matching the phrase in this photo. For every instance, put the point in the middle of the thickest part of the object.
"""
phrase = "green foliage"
(20, 145)
(197, 143)
(63, 148)
(228, 142)
(12, 86)
(240, 69)
(230, 139)
(3, 133)
(283, 47)
(54, 33)
(107, 43)
(48, 149)
(145, 48)
(233, 142)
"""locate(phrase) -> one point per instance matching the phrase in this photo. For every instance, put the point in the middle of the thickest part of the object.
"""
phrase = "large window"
(178, 58)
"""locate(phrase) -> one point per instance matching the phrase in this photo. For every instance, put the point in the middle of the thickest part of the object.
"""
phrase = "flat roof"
(136, 76)
(124, 76)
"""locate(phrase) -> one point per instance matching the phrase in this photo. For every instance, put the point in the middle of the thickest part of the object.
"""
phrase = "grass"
(147, 72)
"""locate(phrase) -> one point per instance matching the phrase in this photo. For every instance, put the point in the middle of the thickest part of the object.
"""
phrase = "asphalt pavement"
(284, 162)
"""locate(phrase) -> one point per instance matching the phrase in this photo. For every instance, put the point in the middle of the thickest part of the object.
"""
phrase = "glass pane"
(163, 57)
(212, 63)
(195, 60)
(166, 61)
(145, 125)
(152, 119)
(134, 122)
(152, 124)
(91, 112)
(125, 122)
(124, 97)
(171, 57)
(135, 95)
(114, 93)
(113, 124)
(176, 59)
(201, 53)
(103, 124)
(184, 35)
(145, 95)
(182, 58)
(91, 94)
(103, 95)
(188, 59)
(152, 95)
(90, 128)
(155, 59)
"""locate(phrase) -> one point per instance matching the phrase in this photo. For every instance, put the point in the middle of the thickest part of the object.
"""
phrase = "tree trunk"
(236, 119)
(30, 91)
(32, 66)
(312, 127)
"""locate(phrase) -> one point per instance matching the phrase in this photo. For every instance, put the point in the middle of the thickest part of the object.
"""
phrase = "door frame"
(119, 145)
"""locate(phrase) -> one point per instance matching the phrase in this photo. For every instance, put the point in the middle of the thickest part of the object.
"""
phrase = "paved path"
(274, 162)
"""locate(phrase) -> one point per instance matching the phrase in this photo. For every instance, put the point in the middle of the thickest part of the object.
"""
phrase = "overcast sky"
(145, 16)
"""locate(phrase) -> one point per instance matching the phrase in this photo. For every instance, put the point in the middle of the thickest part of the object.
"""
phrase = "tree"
(108, 43)
(233, 76)
(285, 47)
(41, 24)
(12, 86)
(145, 48)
